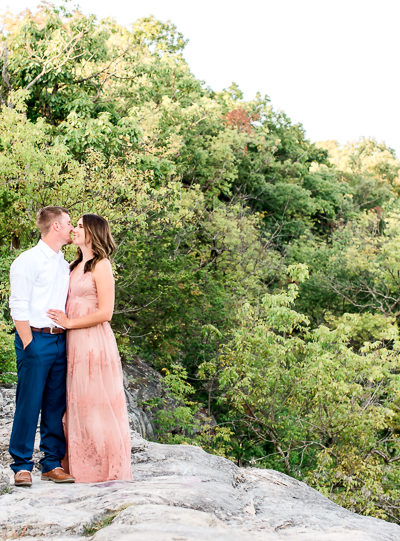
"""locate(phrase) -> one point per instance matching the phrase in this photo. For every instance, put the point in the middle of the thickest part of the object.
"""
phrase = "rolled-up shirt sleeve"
(21, 281)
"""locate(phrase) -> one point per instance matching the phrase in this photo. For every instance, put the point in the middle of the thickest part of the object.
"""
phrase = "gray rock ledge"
(179, 493)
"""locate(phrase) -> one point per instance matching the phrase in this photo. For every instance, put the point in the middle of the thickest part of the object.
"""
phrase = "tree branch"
(83, 79)
(5, 74)
(48, 64)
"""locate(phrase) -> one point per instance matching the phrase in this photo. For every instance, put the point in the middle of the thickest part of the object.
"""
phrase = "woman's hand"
(59, 317)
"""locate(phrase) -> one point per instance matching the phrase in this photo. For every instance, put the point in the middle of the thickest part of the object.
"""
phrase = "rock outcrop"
(179, 493)
(142, 384)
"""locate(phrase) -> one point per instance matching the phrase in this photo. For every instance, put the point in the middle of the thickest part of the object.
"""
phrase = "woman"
(96, 420)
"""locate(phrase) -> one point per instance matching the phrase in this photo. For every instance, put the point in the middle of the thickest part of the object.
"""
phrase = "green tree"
(309, 402)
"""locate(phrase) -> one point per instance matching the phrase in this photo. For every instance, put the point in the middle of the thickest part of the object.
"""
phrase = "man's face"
(65, 228)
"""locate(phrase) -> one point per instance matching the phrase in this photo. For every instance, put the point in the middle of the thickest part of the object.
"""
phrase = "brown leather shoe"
(23, 478)
(58, 475)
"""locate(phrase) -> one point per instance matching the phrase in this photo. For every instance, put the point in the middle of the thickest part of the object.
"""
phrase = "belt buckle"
(52, 329)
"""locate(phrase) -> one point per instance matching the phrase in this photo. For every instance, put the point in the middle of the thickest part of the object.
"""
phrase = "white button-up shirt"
(39, 281)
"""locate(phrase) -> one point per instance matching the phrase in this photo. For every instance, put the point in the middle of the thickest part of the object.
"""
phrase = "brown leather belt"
(48, 330)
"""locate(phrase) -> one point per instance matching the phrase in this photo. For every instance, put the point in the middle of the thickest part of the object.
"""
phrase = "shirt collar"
(47, 250)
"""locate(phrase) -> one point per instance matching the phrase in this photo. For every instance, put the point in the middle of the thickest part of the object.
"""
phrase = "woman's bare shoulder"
(103, 266)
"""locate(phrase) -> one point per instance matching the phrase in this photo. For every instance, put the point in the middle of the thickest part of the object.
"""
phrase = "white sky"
(332, 65)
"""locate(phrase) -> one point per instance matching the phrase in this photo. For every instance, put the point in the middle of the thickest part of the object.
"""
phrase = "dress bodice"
(82, 294)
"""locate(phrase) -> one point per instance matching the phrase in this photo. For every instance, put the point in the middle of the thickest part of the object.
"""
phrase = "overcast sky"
(331, 65)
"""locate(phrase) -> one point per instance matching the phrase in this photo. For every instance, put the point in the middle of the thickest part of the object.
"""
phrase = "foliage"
(306, 400)
(357, 271)
(7, 355)
(186, 422)
(35, 171)
(8, 367)
(365, 157)
(370, 170)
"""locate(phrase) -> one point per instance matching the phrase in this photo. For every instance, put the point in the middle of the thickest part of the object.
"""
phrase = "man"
(39, 280)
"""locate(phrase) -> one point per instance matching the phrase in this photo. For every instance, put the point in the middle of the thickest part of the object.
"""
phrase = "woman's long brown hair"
(102, 242)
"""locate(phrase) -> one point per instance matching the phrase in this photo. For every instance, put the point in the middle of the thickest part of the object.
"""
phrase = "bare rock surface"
(142, 383)
(179, 493)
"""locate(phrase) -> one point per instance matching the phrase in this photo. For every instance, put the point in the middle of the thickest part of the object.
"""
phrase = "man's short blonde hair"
(47, 216)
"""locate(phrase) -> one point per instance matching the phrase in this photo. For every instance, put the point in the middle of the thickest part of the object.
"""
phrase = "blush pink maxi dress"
(96, 420)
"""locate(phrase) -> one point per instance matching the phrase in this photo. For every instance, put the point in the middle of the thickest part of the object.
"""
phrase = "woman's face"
(79, 237)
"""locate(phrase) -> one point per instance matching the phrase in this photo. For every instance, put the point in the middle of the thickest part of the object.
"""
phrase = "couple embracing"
(69, 369)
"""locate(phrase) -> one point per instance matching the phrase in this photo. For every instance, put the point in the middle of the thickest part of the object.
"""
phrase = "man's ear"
(56, 226)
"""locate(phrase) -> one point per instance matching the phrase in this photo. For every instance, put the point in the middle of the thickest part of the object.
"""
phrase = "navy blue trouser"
(40, 388)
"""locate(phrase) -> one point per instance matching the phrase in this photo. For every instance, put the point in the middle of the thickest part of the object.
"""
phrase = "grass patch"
(93, 527)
